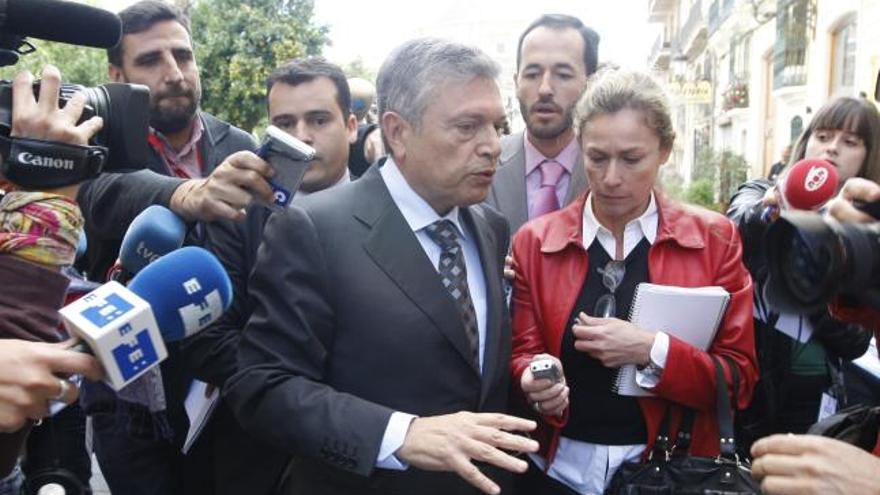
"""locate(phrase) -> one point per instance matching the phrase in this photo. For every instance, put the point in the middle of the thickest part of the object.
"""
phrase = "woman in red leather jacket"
(621, 232)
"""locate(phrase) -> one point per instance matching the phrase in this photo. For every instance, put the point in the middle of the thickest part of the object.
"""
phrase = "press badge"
(827, 407)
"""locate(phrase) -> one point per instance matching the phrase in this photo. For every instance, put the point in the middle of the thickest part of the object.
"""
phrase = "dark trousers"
(56, 453)
(536, 482)
(789, 406)
(135, 457)
(135, 464)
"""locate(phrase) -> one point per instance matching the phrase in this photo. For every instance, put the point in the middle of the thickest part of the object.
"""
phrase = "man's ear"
(395, 132)
(115, 73)
(351, 128)
(664, 155)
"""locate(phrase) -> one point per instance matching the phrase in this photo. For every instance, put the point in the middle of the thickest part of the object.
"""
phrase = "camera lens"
(125, 110)
(811, 259)
(803, 259)
(806, 267)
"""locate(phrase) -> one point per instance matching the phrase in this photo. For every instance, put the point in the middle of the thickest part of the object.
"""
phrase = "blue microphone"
(126, 328)
(188, 289)
(152, 234)
(82, 246)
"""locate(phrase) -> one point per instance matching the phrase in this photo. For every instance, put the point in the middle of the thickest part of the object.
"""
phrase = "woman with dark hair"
(797, 372)
(844, 132)
(620, 233)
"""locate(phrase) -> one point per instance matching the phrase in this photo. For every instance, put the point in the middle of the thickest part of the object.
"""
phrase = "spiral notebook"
(691, 314)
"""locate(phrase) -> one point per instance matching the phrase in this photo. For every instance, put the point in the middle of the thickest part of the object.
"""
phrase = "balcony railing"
(658, 9)
(790, 50)
(719, 11)
(713, 17)
(727, 6)
(693, 33)
(660, 52)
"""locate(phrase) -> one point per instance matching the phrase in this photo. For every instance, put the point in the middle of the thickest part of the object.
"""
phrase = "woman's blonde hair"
(612, 90)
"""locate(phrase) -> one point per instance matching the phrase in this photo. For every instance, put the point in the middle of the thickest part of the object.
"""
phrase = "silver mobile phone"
(290, 158)
(545, 369)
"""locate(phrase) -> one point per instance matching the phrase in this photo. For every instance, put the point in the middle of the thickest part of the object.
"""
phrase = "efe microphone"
(170, 299)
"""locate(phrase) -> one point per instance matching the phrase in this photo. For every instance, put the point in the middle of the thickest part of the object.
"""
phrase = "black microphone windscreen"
(65, 22)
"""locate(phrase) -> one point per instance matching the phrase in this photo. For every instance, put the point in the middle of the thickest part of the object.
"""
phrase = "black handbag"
(856, 425)
(667, 472)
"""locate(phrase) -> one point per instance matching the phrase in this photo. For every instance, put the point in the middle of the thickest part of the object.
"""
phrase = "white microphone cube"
(121, 330)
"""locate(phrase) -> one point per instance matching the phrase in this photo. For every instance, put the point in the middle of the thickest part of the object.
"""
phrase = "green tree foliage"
(357, 68)
(705, 165)
(715, 177)
(238, 44)
(732, 172)
(80, 65)
(701, 192)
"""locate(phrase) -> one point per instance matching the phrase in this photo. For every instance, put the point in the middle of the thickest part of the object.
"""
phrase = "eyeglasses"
(612, 276)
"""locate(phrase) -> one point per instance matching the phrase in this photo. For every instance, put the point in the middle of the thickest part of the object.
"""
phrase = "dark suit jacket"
(110, 201)
(351, 323)
(242, 463)
(508, 193)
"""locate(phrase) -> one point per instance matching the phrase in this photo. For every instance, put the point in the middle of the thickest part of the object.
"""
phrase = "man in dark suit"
(309, 99)
(541, 168)
(379, 345)
(198, 169)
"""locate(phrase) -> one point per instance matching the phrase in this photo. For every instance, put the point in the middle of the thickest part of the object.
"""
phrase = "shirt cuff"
(392, 440)
(649, 377)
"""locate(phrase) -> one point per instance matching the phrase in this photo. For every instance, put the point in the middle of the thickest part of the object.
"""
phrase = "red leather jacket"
(693, 248)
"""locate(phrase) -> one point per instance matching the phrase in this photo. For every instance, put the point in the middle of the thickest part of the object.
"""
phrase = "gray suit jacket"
(351, 322)
(508, 193)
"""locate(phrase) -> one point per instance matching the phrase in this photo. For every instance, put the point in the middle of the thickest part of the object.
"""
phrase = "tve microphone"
(175, 297)
(152, 234)
(809, 184)
(56, 20)
(82, 246)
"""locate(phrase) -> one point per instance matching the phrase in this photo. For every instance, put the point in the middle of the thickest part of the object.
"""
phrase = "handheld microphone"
(65, 22)
(152, 234)
(82, 246)
(173, 298)
(188, 290)
(290, 158)
(809, 184)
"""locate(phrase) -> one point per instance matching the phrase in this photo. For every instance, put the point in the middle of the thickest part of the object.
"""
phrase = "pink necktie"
(546, 199)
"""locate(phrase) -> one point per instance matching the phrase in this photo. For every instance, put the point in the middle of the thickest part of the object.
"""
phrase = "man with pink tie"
(541, 169)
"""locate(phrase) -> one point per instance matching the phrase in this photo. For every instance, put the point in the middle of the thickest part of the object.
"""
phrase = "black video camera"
(121, 143)
(124, 108)
(812, 259)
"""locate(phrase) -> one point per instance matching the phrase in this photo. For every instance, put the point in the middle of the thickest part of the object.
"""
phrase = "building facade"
(765, 65)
